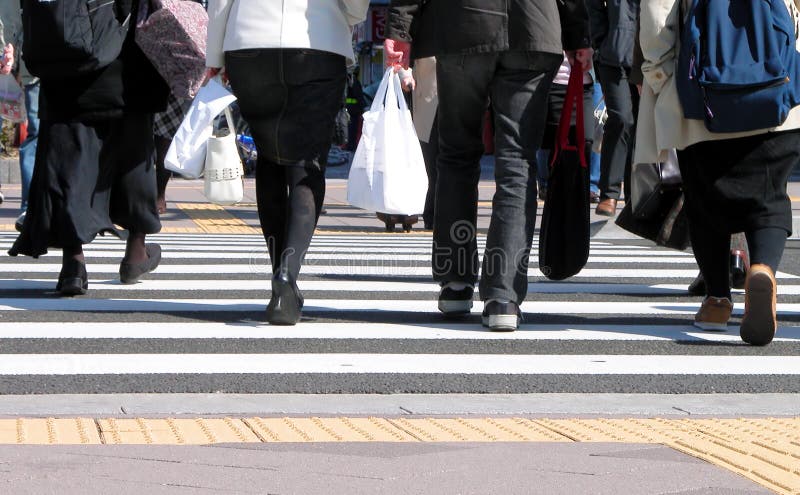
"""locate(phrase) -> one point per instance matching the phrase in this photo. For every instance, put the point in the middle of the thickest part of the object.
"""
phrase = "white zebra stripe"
(387, 270)
(382, 331)
(349, 305)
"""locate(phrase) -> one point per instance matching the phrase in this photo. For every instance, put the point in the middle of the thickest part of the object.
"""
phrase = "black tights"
(711, 250)
(289, 204)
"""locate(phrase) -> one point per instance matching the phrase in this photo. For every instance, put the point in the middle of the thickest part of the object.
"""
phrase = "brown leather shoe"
(714, 314)
(760, 321)
(607, 207)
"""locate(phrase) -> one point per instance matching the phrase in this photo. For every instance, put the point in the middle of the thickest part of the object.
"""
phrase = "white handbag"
(187, 152)
(224, 173)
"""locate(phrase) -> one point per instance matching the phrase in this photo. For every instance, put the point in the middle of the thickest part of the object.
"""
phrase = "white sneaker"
(2, 197)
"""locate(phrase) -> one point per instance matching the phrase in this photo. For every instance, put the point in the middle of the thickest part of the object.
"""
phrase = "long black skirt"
(739, 185)
(90, 178)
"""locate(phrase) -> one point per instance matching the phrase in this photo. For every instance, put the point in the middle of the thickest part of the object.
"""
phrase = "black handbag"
(670, 231)
(564, 231)
(655, 187)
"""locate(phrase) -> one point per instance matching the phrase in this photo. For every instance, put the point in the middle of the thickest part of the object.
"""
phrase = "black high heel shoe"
(73, 279)
(286, 302)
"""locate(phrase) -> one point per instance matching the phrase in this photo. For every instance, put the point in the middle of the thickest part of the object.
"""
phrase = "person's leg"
(306, 196)
(760, 320)
(162, 174)
(519, 95)
(430, 150)
(272, 201)
(618, 131)
(766, 246)
(128, 155)
(594, 161)
(463, 83)
(542, 157)
(711, 247)
(27, 150)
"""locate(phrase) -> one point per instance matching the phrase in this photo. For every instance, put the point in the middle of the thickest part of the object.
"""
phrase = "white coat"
(317, 24)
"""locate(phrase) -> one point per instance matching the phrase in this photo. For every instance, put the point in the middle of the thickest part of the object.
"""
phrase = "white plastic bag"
(187, 152)
(12, 100)
(388, 171)
(224, 172)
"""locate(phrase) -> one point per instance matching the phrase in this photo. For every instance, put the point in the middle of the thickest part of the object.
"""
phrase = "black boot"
(286, 302)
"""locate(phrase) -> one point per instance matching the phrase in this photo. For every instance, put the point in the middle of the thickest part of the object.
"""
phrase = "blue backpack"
(738, 66)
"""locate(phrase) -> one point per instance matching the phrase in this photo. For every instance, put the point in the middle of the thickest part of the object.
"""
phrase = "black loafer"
(286, 302)
(129, 273)
(73, 279)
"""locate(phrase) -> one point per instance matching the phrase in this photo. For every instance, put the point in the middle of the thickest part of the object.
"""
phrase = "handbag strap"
(573, 99)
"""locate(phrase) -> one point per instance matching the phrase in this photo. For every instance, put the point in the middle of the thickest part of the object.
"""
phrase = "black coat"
(130, 83)
(614, 25)
(479, 26)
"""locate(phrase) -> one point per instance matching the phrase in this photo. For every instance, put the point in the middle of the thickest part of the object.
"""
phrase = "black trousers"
(622, 102)
(517, 83)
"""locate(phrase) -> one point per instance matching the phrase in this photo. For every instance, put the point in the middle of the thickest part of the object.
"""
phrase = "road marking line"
(382, 331)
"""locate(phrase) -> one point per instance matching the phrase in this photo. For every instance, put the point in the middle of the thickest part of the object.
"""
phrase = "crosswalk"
(371, 325)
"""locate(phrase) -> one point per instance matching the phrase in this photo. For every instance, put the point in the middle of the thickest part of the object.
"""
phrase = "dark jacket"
(478, 26)
(614, 24)
(130, 83)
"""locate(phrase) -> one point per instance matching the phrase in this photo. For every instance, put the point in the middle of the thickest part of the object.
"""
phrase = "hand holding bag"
(224, 173)
(388, 171)
(187, 152)
(564, 232)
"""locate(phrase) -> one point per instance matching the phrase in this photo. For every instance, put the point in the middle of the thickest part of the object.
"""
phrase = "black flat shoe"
(129, 273)
(286, 302)
(73, 279)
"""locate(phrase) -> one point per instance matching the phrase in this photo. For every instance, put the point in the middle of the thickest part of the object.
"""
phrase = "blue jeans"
(594, 162)
(518, 84)
(27, 150)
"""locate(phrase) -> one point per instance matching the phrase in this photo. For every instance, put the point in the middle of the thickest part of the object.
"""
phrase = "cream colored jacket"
(317, 24)
(661, 125)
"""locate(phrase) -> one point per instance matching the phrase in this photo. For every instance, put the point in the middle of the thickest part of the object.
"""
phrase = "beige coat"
(661, 125)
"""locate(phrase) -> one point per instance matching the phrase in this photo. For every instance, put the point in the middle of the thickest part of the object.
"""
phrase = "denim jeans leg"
(27, 150)
(542, 168)
(519, 95)
(463, 82)
(619, 129)
(594, 161)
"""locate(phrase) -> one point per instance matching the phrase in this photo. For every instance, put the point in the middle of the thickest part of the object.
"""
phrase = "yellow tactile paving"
(197, 431)
(765, 450)
(215, 219)
(38, 431)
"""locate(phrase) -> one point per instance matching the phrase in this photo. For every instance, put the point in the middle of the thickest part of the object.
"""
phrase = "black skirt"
(739, 185)
(90, 177)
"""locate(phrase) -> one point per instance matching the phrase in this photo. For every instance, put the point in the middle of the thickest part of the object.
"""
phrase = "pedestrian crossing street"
(371, 325)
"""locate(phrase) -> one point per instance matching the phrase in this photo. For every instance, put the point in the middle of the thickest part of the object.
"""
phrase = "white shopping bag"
(388, 171)
(187, 153)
